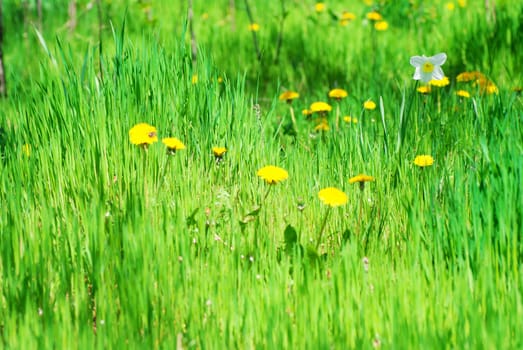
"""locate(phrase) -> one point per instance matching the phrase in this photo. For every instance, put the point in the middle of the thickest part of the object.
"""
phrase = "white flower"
(428, 68)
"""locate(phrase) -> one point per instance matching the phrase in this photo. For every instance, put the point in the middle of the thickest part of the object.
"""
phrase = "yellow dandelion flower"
(490, 88)
(470, 76)
(220, 80)
(450, 6)
(462, 3)
(288, 96)
(381, 26)
(320, 7)
(440, 83)
(425, 89)
(205, 16)
(374, 16)
(306, 112)
(333, 197)
(194, 79)
(219, 151)
(361, 178)
(173, 144)
(143, 134)
(463, 93)
(272, 174)
(254, 27)
(423, 161)
(349, 119)
(322, 126)
(347, 16)
(338, 94)
(369, 105)
(320, 107)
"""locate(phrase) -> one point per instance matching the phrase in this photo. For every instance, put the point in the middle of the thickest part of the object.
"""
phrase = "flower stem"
(324, 223)
(266, 194)
(293, 118)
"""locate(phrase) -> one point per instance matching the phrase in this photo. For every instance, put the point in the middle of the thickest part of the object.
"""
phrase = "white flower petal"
(438, 59)
(417, 74)
(426, 77)
(438, 73)
(417, 61)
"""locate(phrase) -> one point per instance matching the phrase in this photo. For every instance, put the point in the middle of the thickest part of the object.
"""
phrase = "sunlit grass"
(167, 235)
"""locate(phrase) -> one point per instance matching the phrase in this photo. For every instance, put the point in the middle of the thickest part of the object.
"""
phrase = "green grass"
(109, 245)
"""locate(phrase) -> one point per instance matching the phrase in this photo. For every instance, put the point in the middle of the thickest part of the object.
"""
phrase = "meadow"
(261, 175)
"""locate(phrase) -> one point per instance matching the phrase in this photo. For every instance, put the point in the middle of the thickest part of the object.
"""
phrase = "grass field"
(111, 238)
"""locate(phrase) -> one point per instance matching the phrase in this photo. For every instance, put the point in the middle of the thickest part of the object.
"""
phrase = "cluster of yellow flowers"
(320, 109)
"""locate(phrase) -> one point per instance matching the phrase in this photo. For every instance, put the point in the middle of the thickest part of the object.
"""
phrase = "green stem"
(324, 223)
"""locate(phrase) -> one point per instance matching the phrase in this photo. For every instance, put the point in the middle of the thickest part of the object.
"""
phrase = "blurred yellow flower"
(173, 144)
(463, 93)
(348, 16)
(306, 112)
(254, 27)
(194, 79)
(333, 197)
(423, 160)
(450, 6)
(143, 134)
(320, 7)
(381, 25)
(369, 105)
(288, 96)
(219, 151)
(205, 16)
(338, 94)
(361, 178)
(374, 16)
(349, 119)
(424, 89)
(320, 107)
(440, 83)
(462, 3)
(470, 76)
(323, 125)
(272, 174)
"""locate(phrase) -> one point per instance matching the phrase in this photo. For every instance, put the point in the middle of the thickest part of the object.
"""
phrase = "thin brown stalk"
(71, 11)
(232, 14)
(254, 37)
(190, 19)
(279, 41)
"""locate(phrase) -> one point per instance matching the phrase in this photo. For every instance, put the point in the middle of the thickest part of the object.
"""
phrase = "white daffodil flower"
(428, 68)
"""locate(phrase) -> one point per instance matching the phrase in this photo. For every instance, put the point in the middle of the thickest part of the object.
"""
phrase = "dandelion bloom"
(450, 6)
(360, 178)
(272, 174)
(219, 151)
(374, 16)
(470, 76)
(424, 89)
(381, 26)
(306, 112)
(143, 134)
(333, 197)
(428, 68)
(463, 93)
(462, 3)
(423, 161)
(322, 126)
(320, 107)
(338, 94)
(173, 144)
(347, 16)
(349, 119)
(319, 7)
(254, 27)
(288, 96)
(440, 83)
(369, 105)
(194, 79)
